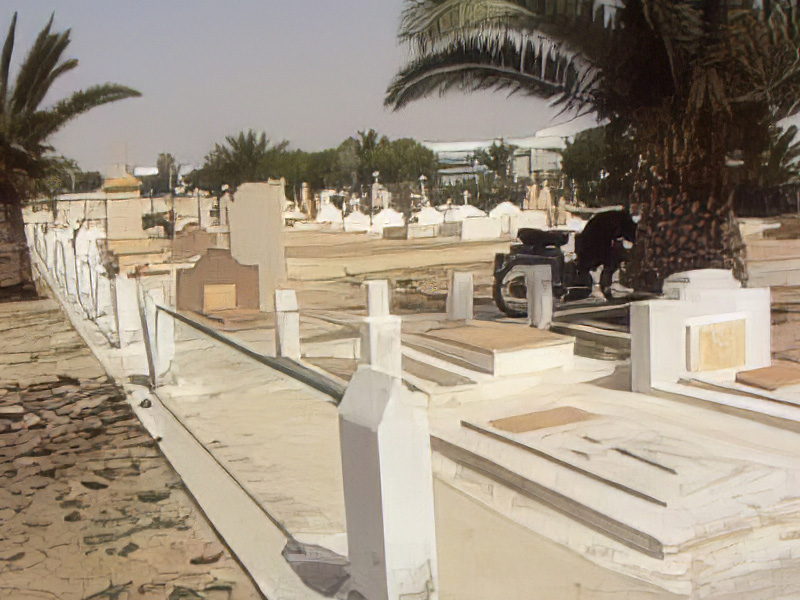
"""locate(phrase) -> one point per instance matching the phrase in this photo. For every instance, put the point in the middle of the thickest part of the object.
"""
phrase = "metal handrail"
(287, 366)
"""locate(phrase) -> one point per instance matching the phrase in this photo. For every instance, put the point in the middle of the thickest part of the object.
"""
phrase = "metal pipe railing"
(283, 365)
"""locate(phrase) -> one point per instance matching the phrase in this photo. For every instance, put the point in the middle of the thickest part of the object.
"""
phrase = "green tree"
(167, 176)
(404, 160)
(246, 157)
(780, 164)
(498, 158)
(497, 185)
(60, 175)
(165, 181)
(72, 179)
(370, 144)
(347, 164)
(26, 158)
(692, 81)
(397, 161)
(602, 163)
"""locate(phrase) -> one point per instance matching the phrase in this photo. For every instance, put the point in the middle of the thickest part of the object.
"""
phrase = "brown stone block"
(771, 378)
(12, 411)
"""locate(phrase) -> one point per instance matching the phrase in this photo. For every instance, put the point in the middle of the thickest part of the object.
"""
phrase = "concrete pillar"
(640, 347)
(539, 282)
(287, 325)
(459, 296)
(146, 311)
(69, 270)
(159, 334)
(165, 343)
(378, 299)
(127, 306)
(381, 346)
(388, 491)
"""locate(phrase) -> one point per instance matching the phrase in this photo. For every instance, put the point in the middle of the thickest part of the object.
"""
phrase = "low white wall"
(415, 231)
(481, 228)
(534, 219)
(659, 328)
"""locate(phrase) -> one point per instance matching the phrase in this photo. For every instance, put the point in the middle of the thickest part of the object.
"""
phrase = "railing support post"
(539, 282)
(381, 335)
(287, 325)
(460, 296)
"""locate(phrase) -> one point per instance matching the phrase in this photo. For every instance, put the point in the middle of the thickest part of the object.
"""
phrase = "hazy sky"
(310, 71)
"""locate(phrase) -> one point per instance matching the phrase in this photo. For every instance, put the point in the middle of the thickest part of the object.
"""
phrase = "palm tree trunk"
(686, 204)
(679, 233)
(16, 278)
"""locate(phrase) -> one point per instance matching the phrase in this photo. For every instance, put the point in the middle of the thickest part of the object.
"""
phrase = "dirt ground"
(89, 507)
(424, 288)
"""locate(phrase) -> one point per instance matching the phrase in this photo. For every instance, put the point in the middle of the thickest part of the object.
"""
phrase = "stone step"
(498, 349)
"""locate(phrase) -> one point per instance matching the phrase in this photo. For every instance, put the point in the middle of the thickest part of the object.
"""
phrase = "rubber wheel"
(578, 293)
(510, 293)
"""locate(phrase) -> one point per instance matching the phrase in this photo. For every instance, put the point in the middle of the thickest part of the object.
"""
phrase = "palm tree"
(370, 144)
(248, 156)
(25, 128)
(690, 81)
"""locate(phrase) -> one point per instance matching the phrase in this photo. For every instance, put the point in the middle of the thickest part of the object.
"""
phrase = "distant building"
(452, 175)
(145, 171)
(124, 183)
(538, 154)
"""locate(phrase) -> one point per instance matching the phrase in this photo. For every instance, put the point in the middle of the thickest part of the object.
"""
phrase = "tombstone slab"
(256, 229)
(498, 349)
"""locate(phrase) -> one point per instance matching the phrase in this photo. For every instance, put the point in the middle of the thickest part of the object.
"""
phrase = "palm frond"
(5, 62)
(41, 90)
(18, 159)
(526, 62)
(29, 71)
(427, 22)
(42, 124)
(764, 60)
(55, 45)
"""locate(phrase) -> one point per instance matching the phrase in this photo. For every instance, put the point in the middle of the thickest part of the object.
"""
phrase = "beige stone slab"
(771, 378)
(279, 438)
(434, 374)
(220, 296)
(562, 415)
(483, 554)
(341, 367)
(719, 345)
(496, 337)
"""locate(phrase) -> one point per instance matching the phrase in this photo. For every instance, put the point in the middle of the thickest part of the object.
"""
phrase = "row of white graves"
(464, 221)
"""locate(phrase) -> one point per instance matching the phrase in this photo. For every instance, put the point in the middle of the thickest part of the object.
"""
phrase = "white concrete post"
(377, 297)
(127, 305)
(388, 489)
(460, 296)
(381, 345)
(640, 347)
(539, 283)
(165, 343)
(147, 323)
(69, 269)
(287, 325)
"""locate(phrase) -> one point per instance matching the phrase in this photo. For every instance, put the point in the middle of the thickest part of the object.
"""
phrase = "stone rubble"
(89, 507)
